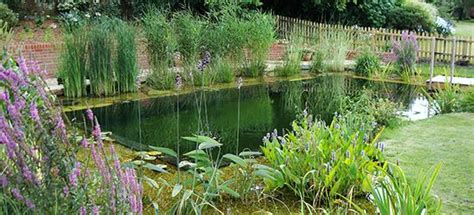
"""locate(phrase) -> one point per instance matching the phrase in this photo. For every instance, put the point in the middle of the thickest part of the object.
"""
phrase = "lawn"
(464, 28)
(446, 139)
(442, 69)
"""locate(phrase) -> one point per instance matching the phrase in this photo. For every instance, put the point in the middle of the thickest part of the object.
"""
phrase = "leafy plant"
(260, 37)
(8, 16)
(446, 100)
(367, 63)
(189, 31)
(394, 194)
(467, 100)
(319, 162)
(6, 35)
(406, 54)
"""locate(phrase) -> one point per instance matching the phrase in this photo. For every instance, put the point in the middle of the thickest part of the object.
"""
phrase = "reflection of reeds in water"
(326, 96)
(293, 96)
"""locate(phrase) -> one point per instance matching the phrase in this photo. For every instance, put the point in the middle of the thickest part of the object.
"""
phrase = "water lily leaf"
(157, 168)
(236, 159)
(176, 189)
(166, 151)
(250, 153)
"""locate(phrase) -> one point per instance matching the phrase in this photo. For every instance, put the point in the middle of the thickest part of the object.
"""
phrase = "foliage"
(73, 64)
(413, 16)
(189, 31)
(293, 55)
(207, 182)
(8, 16)
(223, 70)
(446, 100)
(367, 63)
(260, 37)
(394, 194)
(6, 35)
(41, 172)
(406, 53)
(331, 50)
(467, 100)
(126, 65)
(319, 162)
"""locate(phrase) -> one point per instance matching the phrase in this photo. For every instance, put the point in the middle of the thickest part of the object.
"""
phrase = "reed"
(126, 66)
(100, 69)
(73, 64)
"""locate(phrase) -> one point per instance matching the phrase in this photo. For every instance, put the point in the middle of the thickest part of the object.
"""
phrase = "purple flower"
(17, 195)
(83, 211)
(34, 113)
(84, 142)
(73, 177)
(95, 210)
(3, 181)
(30, 204)
(90, 114)
(27, 174)
(66, 191)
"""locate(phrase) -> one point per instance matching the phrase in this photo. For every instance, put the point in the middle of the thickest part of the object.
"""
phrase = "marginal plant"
(330, 52)
(293, 55)
(467, 100)
(126, 65)
(320, 162)
(41, 172)
(223, 70)
(73, 63)
(260, 37)
(406, 53)
(393, 193)
(189, 33)
(367, 63)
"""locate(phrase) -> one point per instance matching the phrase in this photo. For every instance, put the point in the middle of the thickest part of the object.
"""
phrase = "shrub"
(467, 100)
(406, 53)
(367, 64)
(41, 172)
(411, 16)
(8, 16)
(317, 161)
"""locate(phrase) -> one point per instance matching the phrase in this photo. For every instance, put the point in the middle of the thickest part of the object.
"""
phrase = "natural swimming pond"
(263, 108)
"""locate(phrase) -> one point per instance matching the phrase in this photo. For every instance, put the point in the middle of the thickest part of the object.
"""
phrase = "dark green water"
(262, 108)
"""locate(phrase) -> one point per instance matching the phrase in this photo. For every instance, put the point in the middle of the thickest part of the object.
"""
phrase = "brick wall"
(48, 54)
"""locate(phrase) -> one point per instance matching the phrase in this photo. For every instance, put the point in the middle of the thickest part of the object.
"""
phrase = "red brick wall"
(48, 54)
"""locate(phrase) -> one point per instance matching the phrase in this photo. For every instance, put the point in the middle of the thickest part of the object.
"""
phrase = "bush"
(412, 16)
(367, 63)
(7, 15)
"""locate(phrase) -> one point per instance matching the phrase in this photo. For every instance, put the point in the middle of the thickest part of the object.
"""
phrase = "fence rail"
(380, 39)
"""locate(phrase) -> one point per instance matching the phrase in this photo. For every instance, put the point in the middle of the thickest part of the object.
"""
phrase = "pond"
(263, 108)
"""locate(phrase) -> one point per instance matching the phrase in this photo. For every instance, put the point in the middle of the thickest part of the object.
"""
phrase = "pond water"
(263, 108)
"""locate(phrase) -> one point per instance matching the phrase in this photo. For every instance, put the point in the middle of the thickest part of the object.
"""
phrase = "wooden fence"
(380, 39)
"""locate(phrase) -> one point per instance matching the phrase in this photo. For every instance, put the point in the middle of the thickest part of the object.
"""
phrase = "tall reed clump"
(126, 65)
(330, 52)
(73, 63)
(161, 45)
(293, 55)
(103, 52)
(189, 32)
(101, 67)
(260, 37)
(41, 172)
(405, 52)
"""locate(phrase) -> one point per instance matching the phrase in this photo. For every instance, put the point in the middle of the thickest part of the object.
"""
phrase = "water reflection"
(263, 108)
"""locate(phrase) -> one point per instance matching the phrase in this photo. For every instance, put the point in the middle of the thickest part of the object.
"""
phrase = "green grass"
(448, 139)
(464, 28)
(442, 69)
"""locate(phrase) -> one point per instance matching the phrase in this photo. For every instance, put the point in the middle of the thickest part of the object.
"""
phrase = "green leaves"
(166, 151)
(236, 159)
(204, 142)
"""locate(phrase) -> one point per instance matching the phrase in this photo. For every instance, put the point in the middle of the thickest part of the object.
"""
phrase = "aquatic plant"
(41, 172)
(189, 32)
(126, 65)
(446, 100)
(331, 49)
(260, 37)
(223, 70)
(467, 100)
(293, 55)
(406, 53)
(73, 63)
(320, 162)
(393, 193)
(367, 63)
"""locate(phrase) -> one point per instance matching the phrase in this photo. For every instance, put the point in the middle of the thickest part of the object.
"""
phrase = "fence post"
(453, 59)
(433, 46)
